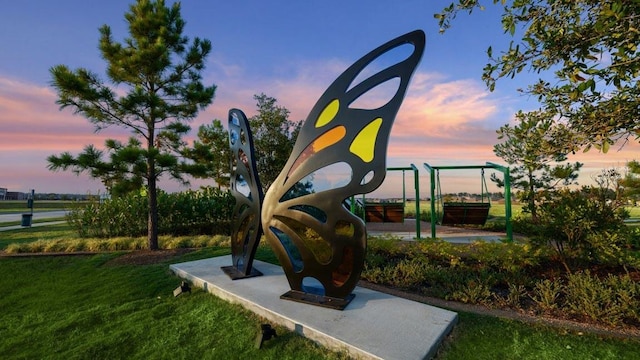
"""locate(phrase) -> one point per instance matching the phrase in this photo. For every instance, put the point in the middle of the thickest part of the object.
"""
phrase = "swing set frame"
(416, 184)
(466, 208)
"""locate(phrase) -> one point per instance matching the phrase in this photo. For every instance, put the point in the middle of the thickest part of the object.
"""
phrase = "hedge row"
(206, 211)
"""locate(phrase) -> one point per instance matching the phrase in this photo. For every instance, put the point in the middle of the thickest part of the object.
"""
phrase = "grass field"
(80, 307)
(83, 307)
(20, 206)
(498, 209)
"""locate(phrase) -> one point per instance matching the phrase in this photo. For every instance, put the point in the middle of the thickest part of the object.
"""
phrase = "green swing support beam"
(489, 165)
(416, 184)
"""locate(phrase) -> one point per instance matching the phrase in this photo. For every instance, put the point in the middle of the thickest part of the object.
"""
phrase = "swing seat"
(384, 212)
(463, 213)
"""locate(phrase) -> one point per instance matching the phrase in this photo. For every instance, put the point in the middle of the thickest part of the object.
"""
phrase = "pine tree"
(158, 74)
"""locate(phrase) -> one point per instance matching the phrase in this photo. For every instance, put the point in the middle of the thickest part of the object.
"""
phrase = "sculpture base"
(394, 328)
(234, 274)
(318, 300)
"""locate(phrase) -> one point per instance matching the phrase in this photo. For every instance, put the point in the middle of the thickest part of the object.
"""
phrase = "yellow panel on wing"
(328, 114)
(365, 142)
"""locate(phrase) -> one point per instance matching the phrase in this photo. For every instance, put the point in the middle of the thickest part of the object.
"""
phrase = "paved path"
(407, 231)
(36, 216)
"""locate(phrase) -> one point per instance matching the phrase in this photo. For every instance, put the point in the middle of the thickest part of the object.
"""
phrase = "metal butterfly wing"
(319, 243)
(247, 191)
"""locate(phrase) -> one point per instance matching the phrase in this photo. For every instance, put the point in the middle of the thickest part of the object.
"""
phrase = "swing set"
(466, 213)
(393, 212)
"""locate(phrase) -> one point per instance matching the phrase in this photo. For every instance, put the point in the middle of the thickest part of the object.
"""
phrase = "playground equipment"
(394, 212)
(466, 213)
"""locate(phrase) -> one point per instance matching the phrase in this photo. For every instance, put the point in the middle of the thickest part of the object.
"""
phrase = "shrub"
(523, 224)
(495, 225)
(609, 300)
(475, 291)
(516, 295)
(206, 211)
(506, 257)
(570, 222)
(504, 274)
(117, 244)
(546, 294)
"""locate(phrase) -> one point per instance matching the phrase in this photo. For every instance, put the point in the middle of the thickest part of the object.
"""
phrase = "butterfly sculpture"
(320, 244)
(247, 191)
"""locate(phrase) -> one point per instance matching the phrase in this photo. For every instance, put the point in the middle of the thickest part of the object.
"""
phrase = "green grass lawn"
(83, 307)
(32, 234)
(482, 337)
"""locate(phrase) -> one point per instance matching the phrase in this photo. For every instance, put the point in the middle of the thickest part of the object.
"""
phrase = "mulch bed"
(575, 326)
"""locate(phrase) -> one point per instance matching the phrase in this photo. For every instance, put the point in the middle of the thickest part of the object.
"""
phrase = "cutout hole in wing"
(313, 242)
(244, 159)
(248, 230)
(234, 163)
(389, 58)
(243, 137)
(342, 273)
(315, 212)
(312, 285)
(234, 119)
(241, 234)
(290, 248)
(378, 96)
(243, 231)
(323, 141)
(344, 229)
(367, 178)
(242, 186)
(331, 176)
(233, 136)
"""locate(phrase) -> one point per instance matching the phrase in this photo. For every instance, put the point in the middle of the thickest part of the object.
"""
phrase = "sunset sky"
(290, 50)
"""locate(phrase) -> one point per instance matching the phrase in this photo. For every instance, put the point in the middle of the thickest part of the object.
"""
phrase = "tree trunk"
(153, 213)
(532, 199)
(152, 194)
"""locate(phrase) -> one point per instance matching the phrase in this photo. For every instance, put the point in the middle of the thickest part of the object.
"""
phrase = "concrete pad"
(373, 326)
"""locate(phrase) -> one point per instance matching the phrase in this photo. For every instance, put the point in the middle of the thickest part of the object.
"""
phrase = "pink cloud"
(440, 122)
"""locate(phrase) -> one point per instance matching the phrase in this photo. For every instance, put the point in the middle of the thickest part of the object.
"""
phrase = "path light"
(266, 334)
(184, 287)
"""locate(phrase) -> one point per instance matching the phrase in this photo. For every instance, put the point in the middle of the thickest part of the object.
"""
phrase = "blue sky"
(290, 50)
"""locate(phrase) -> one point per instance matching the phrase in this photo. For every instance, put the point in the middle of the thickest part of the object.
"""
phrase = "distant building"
(3, 193)
(14, 195)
